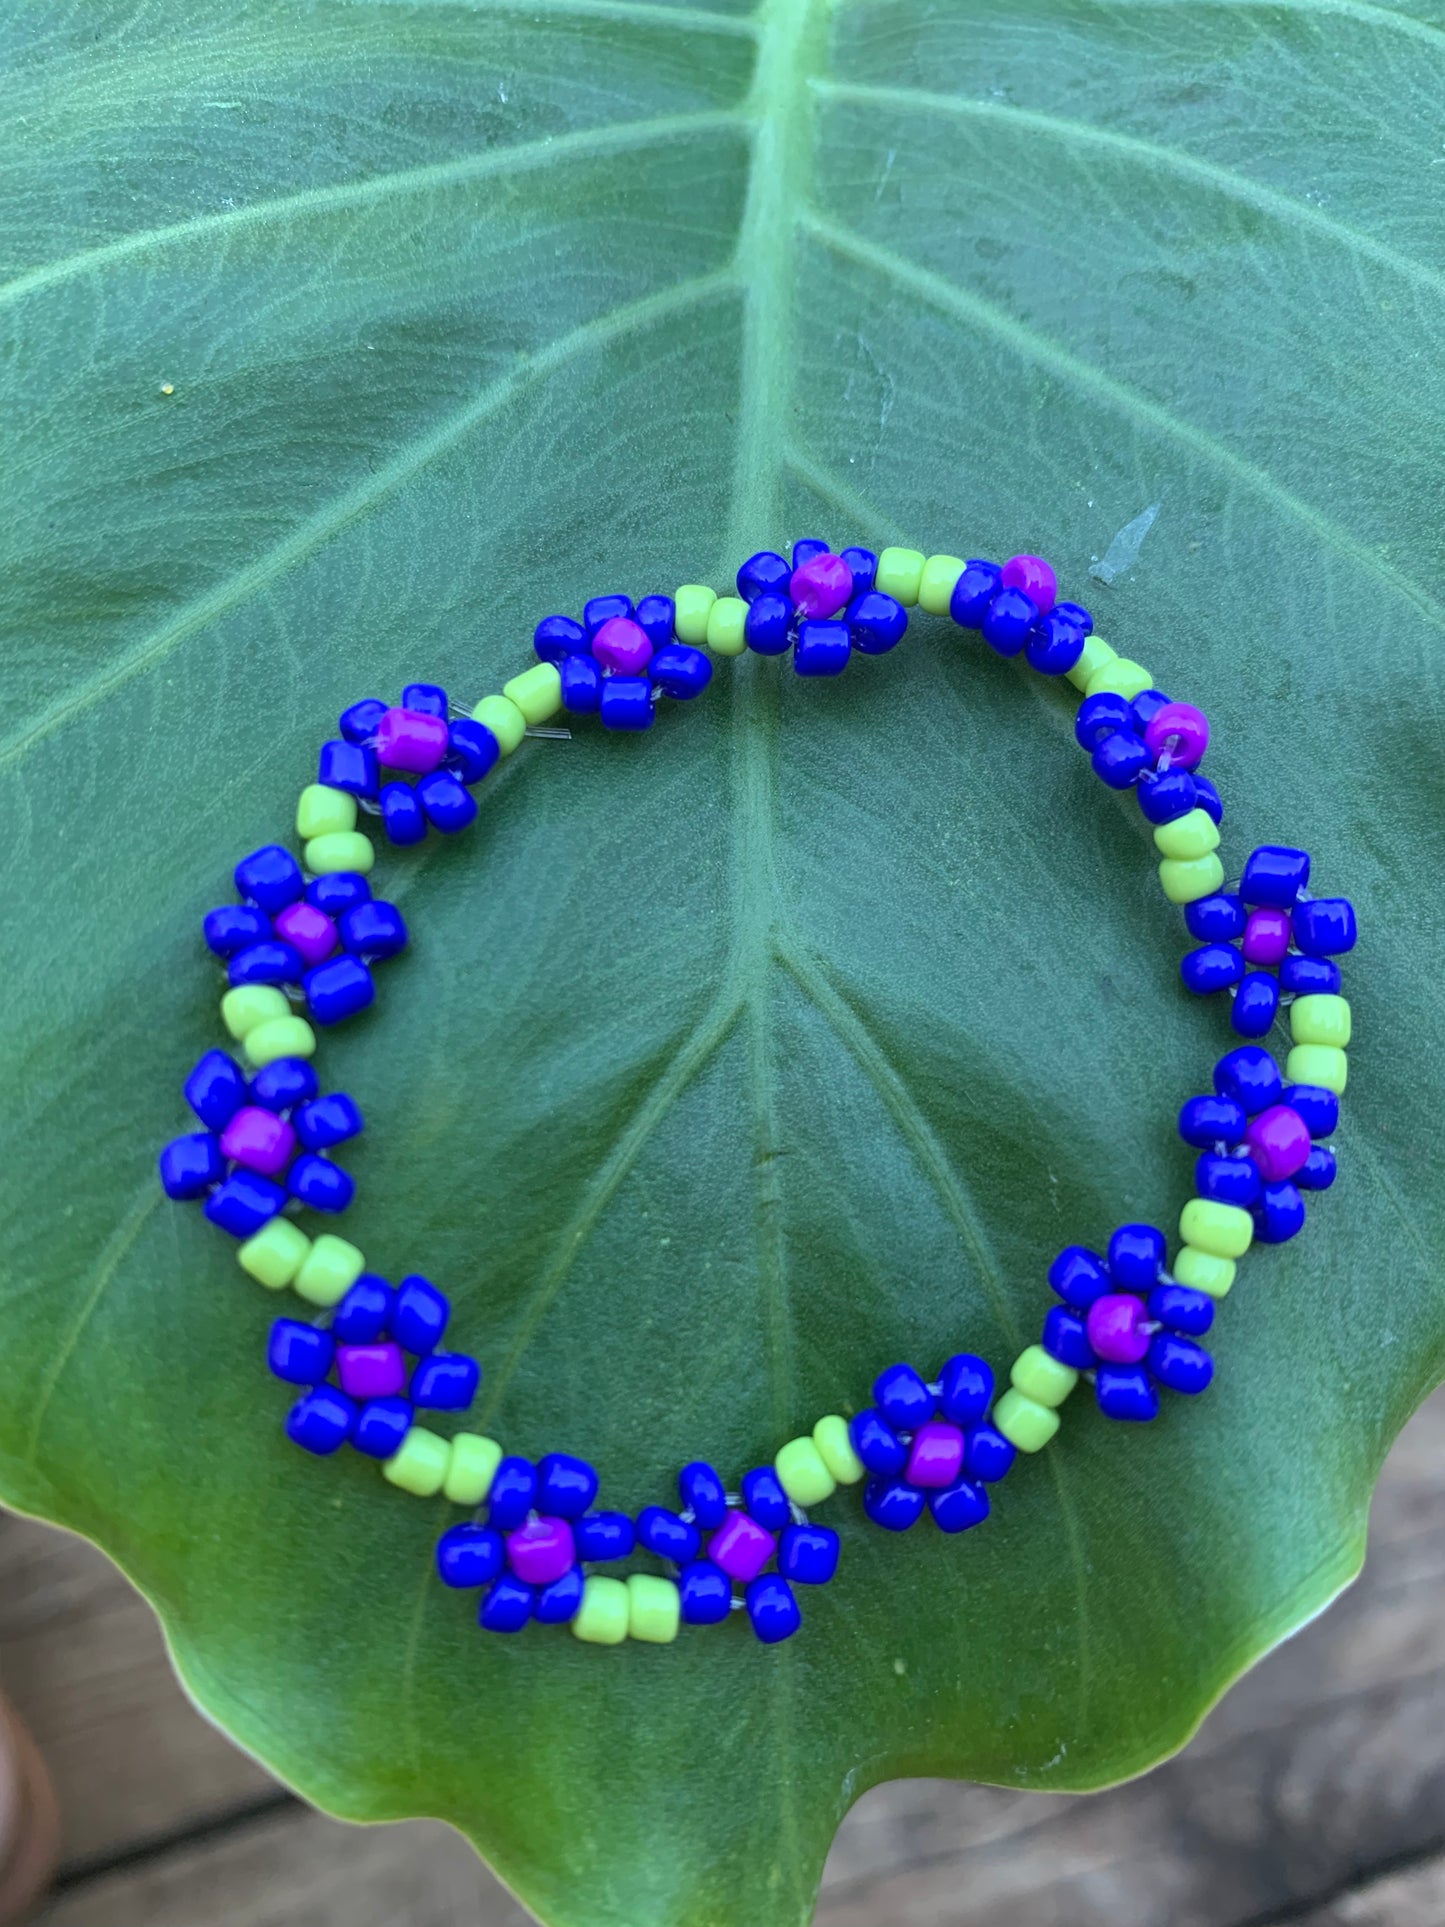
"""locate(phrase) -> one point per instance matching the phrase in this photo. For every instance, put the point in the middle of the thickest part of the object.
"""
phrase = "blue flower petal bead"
(902, 1397)
(1275, 874)
(1256, 1004)
(768, 623)
(601, 1536)
(605, 608)
(1136, 1256)
(349, 766)
(892, 1503)
(1181, 1309)
(703, 1494)
(233, 927)
(626, 703)
(560, 1603)
(1164, 795)
(1100, 717)
(1250, 1076)
(656, 616)
(765, 1499)
(808, 1555)
(244, 1203)
(581, 686)
(283, 1084)
(958, 1506)
(1076, 612)
(1207, 1121)
(327, 1121)
(557, 637)
(402, 816)
(341, 890)
(667, 1535)
(1179, 1363)
(1216, 919)
(974, 590)
(1227, 1180)
(361, 722)
(269, 877)
(1309, 976)
(1319, 1108)
(513, 1493)
(1146, 706)
(1317, 1173)
(566, 1485)
(272, 962)
(364, 1313)
(448, 804)
(445, 1382)
(373, 930)
(1121, 759)
(1007, 621)
(319, 1184)
(807, 548)
(863, 564)
(1066, 1337)
(706, 1593)
(419, 1316)
(298, 1353)
(822, 649)
(1124, 1392)
(1054, 644)
(765, 573)
(215, 1089)
(470, 1555)
(681, 671)
(1279, 1215)
(1079, 1276)
(381, 1426)
(987, 1454)
(876, 623)
(1208, 798)
(1325, 927)
(965, 1389)
(772, 1609)
(426, 698)
(507, 1607)
(321, 1422)
(473, 751)
(1212, 967)
(876, 1443)
(190, 1165)
(338, 989)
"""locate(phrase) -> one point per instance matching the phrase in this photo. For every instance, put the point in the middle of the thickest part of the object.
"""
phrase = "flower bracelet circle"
(372, 1370)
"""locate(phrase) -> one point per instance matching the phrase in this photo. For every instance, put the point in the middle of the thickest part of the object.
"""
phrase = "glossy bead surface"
(1255, 1006)
(987, 1454)
(1216, 919)
(605, 608)
(773, 1609)
(1222, 1230)
(959, 1506)
(1120, 759)
(284, 1084)
(309, 932)
(566, 1485)
(768, 624)
(541, 1550)
(1163, 797)
(878, 1446)
(937, 583)
(1324, 1064)
(1279, 1142)
(338, 989)
(1079, 1276)
(902, 1397)
(557, 637)
(823, 649)
(1267, 935)
(1178, 731)
(265, 963)
(410, 740)
(446, 801)
(683, 672)
(876, 622)
(1275, 874)
(1115, 1326)
(381, 1427)
(1136, 1256)
(603, 1615)
(427, 698)
(803, 1472)
(1280, 1214)
(377, 1370)
(1227, 1180)
(276, 1254)
(1320, 1108)
(513, 1493)
(821, 586)
(622, 646)
(1310, 977)
(863, 564)
(1182, 1309)
(1250, 1076)
(1208, 797)
(259, 1139)
(506, 1607)
(1212, 967)
(1326, 927)
(1007, 621)
(445, 1382)
(1317, 1173)
(626, 703)
(298, 1353)
(1024, 1421)
(974, 590)
(705, 1593)
(1034, 576)
(935, 1454)
(1180, 1364)
(1320, 1020)
(602, 1536)
(349, 767)
(741, 1547)
(244, 1202)
(765, 1499)
(472, 749)
(337, 892)
(373, 930)
(965, 1387)
(1206, 1121)
(662, 1532)
(359, 722)
(419, 1316)
(1125, 1392)
(321, 1421)
(269, 877)
(893, 1503)
(703, 1494)
(362, 1315)
(189, 1166)
(469, 1555)
(234, 927)
(765, 573)
(900, 572)
(1055, 644)
(656, 616)
(1100, 717)
(215, 1089)
(808, 1555)
(581, 686)
(654, 1610)
(402, 816)
(1066, 1337)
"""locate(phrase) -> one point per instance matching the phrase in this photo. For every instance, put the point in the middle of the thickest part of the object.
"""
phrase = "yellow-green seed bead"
(419, 1464)
(248, 1005)
(900, 571)
(1203, 1271)
(1320, 1019)
(1185, 879)
(471, 1468)
(831, 1437)
(282, 1037)
(603, 1615)
(693, 604)
(1041, 1377)
(1224, 1230)
(1318, 1064)
(276, 1253)
(1023, 1421)
(537, 692)
(1191, 835)
(347, 850)
(803, 1473)
(331, 1268)
(654, 1608)
(1121, 677)
(323, 811)
(726, 626)
(1096, 653)
(937, 583)
(506, 722)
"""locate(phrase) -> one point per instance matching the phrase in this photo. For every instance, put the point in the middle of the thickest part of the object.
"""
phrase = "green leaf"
(729, 1064)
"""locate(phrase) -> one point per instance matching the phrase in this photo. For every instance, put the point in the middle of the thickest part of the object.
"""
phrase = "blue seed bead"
(974, 590)
(361, 722)
(604, 608)
(1121, 759)
(1054, 644)
(902, 1397)
(402, 816)
(1163, 795)
(680, 670)
(473, 749)
(244, 1203)
(234, 927)
(661, 1531)
(1279, 1214)
(1319, 1108)
(557, 637)
(1275, 874)
(1256, 1004)
(507, 1607)
(189, 1166)
(864, 566)
(823, 649)
(958, 1506)
(272, 962)
(339, 891)
(1208, 798)
(300, 1354)
(283, 1084)
(703, 1494)
(1310, 977)
(338, 989)
(470, 1555)
(876, 1443)
(581, 685)
(319, 1184)
(349, 766)
(767, 624)
(321, 1421)
(876, 623)
(604, 1535)
(1317, 1173)
(1125, 1392)
(892, 1503)
(1066, 1338)
(1100, 717)
(807, 548)
(965, 1389)
(426, 698)
(1136, 1256)
(1207, 1121)
(1216, 919)
(448, 803)
(1326, 927)
(559, 1603)
(513, 1493)
(269, 877)
(1146, 706)
(1079, 1276)
(1076, 612)
(419, 1316)
(373, 930)
(1213, 966)
(1227, 1180)
(365, 1311)
(1250, 1076)
(808, 1555)
(382, 1425)
(763, 574)
(1182, 1309)
(706, 1593)
(626, 702)
(772, 1609)
(445, 1382)
(1179, 1363)
(566, 1485)
(1007, 621)
(656, 615)
(215, 1089)
(765, 1499)
(987, 1454)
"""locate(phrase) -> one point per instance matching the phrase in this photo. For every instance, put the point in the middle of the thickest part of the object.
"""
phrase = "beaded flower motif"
(617, 660)
(821, 605)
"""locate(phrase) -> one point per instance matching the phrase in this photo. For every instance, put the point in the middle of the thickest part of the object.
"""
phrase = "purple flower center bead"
(1182, 730)
(936, 1455)
(541, 1550)
(1267, 935)
(1034, 576)
(1279, 1142)
(408, 740)
(741, 1547)
(371, 1371)
(306, 929)
(1116, 1328)
(821, 587)
(260, 1140)
(622, 646)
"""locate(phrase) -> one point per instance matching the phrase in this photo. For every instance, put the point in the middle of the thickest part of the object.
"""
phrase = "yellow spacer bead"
(803, 1473)
(322, 811)
(835, 1447)
(1318, 1064)
(506, 722)
(1224, 1230)
(248, 1005)
(1121, 677)
(275, 1254)
(419, 1463)
(693, 605)
(282, 1037)
(900, 571)
(1320, 1019)
(1095, 654)
(1185, 879)
(331, 1268)
(1023, 1421)
(1191, 835)
(347, 850)
(1041, 1377)
(937, 584)
(604, 1613)
(654, 1608)
(537, 692)
(726, 626)
(471, 1468)
(1202, 1271)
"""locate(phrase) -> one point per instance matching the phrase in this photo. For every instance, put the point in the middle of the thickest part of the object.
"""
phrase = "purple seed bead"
(741, 1547)
(408, 740)
(371, 1371)
(1034, 576)
(935, 1458)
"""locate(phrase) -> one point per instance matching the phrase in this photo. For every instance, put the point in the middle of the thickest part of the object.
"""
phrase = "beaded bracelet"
(310, 933)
